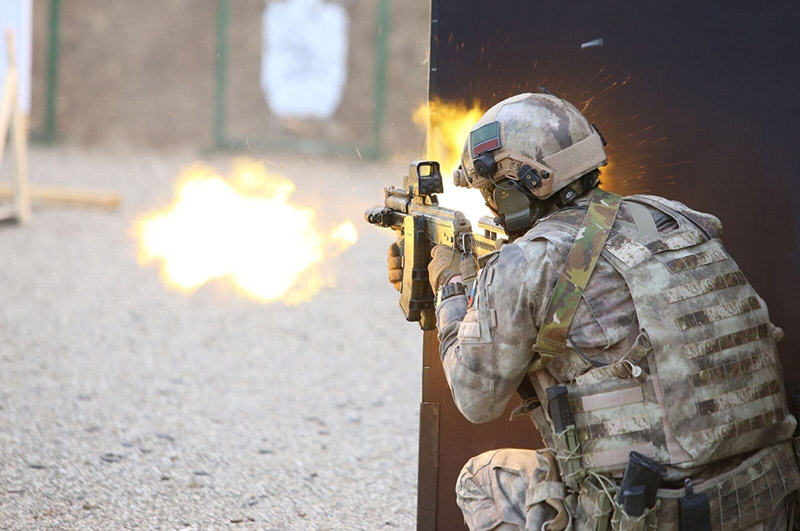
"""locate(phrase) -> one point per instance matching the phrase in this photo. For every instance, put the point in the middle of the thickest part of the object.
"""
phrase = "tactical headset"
(511, 182)
(517, 209)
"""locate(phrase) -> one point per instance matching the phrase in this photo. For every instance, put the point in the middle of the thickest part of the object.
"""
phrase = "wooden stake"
(22, 198)
(13, 120)
(66, 196)
(11, 110)
(6, 107)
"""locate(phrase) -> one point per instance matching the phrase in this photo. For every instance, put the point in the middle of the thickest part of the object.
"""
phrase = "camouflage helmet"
(538, 139)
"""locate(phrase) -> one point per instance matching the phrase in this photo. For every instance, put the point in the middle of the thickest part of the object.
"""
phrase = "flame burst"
(243, 228)
(450, 123)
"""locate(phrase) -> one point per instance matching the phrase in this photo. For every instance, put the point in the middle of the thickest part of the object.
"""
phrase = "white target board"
(16, 15)
(304, 57)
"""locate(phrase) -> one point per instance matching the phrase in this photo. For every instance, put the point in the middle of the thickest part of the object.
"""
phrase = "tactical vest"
(710, 384)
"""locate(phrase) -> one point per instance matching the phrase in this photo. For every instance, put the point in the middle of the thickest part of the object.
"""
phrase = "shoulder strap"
(691, 216)
(642, 218)
(581, 260)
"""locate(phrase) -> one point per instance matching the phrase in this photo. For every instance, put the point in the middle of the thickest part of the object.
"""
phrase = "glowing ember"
(450, 123)
(243, 228)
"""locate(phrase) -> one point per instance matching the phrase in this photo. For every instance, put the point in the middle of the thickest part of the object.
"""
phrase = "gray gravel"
(124, 404)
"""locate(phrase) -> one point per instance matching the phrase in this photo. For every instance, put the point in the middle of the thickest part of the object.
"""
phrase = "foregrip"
(416, 296)
(423, 225)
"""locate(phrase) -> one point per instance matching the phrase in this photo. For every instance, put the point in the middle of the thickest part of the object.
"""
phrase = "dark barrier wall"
(698, 102)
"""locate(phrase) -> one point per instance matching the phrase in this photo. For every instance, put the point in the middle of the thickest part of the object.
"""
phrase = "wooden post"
(12, 120)
(59, 195)
(7, 103)
(15, 122)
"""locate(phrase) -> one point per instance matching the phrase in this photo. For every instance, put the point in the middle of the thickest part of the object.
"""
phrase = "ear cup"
(517, 210)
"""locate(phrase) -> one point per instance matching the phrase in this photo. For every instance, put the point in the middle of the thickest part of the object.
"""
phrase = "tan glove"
(469, 269)
(444, 265)
(395, 263)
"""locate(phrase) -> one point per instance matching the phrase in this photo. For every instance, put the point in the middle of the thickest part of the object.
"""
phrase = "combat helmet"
(527, 149)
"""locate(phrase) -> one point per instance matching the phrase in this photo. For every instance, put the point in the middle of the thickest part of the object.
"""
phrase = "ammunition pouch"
(569, 461)
(621, 521)
(595, 508)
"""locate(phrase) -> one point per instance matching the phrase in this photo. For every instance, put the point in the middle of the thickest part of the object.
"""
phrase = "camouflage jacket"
(486, 347)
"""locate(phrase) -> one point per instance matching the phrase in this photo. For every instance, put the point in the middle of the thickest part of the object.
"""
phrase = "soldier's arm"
(486, 348)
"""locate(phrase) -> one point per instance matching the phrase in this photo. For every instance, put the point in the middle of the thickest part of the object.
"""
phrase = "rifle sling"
(580, 263)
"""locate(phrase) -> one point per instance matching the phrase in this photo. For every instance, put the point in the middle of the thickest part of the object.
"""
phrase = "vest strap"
(642, 218)
(581, 261)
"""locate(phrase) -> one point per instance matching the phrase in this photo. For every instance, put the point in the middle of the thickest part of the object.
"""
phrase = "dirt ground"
(124, 404)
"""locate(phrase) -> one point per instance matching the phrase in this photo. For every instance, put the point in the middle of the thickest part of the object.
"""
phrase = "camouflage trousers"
(514, 490)
(511, 489)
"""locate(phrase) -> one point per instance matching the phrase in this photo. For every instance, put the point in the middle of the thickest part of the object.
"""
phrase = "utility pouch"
(694, 510)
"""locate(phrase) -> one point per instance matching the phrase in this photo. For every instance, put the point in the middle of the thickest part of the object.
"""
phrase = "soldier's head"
(529, 154)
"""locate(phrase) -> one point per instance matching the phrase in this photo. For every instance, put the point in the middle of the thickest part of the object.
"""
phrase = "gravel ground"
(124, 404)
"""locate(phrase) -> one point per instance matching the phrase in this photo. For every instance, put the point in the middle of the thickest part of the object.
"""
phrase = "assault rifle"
(415, 214)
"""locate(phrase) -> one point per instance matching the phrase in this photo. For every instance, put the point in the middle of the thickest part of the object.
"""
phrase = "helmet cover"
(542, 135)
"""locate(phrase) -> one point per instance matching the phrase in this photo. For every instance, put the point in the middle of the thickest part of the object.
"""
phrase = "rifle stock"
(415, 214)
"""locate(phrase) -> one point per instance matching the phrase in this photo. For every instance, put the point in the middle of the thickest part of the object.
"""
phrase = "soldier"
(629, 314)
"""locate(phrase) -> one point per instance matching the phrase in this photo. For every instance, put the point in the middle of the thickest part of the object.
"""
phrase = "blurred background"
(196, 331)
(190, 74)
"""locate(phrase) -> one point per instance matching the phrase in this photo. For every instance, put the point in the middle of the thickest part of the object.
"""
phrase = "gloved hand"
(468, 268)
(444, 265)
(395, 263)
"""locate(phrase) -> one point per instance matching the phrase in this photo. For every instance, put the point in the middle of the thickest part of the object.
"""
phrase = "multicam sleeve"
(486, 347)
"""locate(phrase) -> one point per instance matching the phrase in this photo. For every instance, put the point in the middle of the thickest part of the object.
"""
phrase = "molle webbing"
(750, 494)
(709, 384)
(741, 498)
(755, 490)
(578, 268)
(714, 372)
(705, 286)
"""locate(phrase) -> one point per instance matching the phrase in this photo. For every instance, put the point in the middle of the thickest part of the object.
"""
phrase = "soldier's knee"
(474, 492)
(478, 463)
(474, 477)
(480, 468)
(491, 488)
